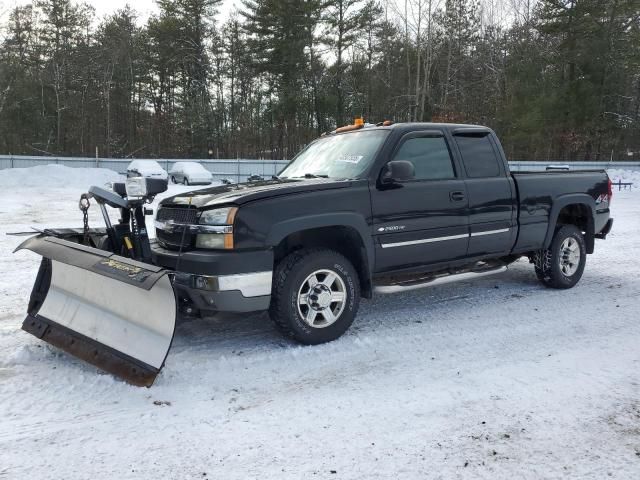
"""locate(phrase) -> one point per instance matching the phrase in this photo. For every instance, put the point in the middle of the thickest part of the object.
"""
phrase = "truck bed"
(541, 195)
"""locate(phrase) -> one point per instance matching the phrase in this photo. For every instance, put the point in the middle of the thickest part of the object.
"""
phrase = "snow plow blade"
(113, 312)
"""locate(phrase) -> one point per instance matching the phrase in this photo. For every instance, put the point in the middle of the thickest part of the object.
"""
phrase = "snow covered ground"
(499, 378)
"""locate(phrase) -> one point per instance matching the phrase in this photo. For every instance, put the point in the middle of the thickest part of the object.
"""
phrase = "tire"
(185, 181)
(313, 316)
(562, 264)
(173, 180)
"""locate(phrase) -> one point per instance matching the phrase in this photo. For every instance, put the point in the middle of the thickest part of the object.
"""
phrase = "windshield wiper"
(315, 175)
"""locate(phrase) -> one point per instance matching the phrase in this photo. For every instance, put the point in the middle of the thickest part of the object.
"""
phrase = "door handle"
(456, 196)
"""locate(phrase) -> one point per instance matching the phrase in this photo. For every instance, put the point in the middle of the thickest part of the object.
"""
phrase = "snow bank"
(56, 176)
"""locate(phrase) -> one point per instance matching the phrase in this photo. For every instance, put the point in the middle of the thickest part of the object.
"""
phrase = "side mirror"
(398, 171)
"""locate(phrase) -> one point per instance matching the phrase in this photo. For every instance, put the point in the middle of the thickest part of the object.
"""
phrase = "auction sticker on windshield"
(350, 158)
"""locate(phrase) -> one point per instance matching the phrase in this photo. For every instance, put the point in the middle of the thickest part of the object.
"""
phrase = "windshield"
(337, 156)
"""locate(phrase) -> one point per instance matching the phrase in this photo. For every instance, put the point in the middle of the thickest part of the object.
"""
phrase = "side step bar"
(437, 280)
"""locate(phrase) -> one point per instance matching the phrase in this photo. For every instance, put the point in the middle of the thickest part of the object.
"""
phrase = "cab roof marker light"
(349, 128)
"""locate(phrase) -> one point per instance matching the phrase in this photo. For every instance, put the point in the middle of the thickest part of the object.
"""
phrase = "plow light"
(136, 187)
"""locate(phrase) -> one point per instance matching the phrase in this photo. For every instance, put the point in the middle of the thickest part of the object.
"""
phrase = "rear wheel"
(315, 295)
(562, 264)
(173, 179)
(185, 181)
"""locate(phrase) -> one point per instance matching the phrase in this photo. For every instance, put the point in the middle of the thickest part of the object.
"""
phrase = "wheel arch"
(573, 209)
(346, 233)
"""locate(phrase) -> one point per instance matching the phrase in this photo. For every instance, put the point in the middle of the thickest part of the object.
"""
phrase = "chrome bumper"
(256, 284)
(242, 292)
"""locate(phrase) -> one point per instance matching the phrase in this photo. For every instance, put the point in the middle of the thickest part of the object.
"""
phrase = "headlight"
(136, 187)
(217, 238)
(219, 216)
(210, 240)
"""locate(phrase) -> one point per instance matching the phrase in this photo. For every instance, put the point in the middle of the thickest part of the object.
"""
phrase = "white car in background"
(147, 168)
(190, 173)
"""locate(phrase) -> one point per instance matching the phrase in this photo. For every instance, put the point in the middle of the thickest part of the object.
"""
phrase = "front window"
(346, 155)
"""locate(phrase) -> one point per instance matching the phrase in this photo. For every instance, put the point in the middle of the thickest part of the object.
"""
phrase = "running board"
(441, 280)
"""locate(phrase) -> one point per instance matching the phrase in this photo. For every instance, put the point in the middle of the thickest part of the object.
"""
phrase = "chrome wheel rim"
(569, 256)
(321, 298)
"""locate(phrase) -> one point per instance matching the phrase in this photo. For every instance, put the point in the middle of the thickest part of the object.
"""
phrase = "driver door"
(421, 220)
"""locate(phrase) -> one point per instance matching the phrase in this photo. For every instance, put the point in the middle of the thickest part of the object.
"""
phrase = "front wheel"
(562, 264)
(185, 181)
(315, 295)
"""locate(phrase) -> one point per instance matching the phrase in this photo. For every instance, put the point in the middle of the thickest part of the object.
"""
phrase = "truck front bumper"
(217, 281)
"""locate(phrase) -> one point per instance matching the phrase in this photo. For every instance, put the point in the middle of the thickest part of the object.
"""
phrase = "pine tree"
(344, 21)
(279, 32)
(62, 42)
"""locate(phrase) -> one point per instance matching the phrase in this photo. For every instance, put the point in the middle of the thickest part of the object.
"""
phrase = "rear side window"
(430, 157)
(478, 156)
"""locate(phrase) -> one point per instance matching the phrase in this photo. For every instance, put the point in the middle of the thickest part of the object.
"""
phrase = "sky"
(105, 7)
(145, 8)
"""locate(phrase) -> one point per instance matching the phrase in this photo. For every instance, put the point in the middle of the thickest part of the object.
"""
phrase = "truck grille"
(183, 216)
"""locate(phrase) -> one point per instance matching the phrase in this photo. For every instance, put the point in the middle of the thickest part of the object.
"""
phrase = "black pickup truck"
(384, 209)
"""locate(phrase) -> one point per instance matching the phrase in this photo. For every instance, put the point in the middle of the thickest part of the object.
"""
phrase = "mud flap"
(113, 312)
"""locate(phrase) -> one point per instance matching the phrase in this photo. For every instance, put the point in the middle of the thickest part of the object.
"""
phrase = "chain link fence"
(239, 170)
(233, 170)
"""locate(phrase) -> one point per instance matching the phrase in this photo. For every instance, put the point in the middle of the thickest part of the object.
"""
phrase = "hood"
(247, 192)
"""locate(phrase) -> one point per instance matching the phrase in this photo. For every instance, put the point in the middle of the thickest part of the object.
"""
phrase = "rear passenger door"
(421, 220)
(491, 193)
